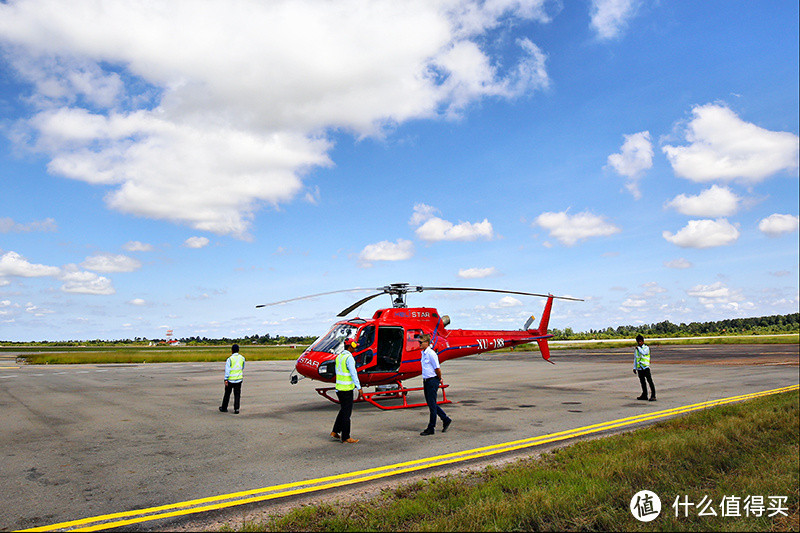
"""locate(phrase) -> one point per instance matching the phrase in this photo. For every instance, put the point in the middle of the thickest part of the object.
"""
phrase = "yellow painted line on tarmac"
(213, 503)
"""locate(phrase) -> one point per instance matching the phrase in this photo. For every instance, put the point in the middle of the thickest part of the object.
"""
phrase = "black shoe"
(223, 410)
(446, 424)
(427, 432)
(642, 397)
(236, 412)
(652, 398)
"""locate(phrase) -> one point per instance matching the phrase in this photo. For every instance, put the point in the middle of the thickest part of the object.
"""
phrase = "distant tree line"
(263, 340)
(733, 326)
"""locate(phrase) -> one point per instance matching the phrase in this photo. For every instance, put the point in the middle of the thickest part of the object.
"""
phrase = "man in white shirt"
(431, 378)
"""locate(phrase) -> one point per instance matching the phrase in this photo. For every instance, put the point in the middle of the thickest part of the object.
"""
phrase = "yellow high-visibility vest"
(344, 381)
(641, 358)
(237, 368)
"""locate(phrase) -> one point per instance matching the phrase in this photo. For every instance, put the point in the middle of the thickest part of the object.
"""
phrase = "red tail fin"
(544, 348)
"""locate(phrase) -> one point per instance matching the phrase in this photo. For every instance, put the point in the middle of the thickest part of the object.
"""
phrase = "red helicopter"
(388, 349)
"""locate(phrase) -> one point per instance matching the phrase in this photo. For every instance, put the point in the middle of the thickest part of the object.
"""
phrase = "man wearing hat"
(346, 382)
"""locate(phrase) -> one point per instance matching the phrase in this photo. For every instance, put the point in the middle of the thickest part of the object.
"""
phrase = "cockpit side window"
(366, 337)
(412, 339)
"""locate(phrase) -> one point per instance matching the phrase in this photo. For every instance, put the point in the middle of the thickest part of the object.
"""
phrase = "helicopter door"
(366, 336)
(390, 348)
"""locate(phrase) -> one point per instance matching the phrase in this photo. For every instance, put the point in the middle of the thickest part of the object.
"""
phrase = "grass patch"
(745, 449)
(152, 354)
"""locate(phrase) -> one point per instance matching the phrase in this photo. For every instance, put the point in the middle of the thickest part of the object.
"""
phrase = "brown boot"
(351, 440)
(335, 436)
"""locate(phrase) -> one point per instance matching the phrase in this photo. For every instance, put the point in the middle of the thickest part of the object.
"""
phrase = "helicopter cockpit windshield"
(333, 341)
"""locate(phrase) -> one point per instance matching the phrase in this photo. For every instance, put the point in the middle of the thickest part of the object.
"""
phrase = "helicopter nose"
(316, 366)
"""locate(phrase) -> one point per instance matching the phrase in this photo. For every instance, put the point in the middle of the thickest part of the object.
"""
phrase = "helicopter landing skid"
(390, 394)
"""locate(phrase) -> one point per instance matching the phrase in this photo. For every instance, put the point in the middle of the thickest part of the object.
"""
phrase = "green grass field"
(735, 453)
(39, 355)
(182, 354)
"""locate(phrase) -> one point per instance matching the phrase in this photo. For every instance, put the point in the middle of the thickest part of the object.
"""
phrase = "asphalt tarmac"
(79, 441)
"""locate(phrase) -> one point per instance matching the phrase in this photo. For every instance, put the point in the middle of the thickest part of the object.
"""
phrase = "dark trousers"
(237, 393)
(342, 424)
(431, 387)
(644, 374)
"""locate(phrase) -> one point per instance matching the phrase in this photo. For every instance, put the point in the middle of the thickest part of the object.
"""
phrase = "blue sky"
(171, 166)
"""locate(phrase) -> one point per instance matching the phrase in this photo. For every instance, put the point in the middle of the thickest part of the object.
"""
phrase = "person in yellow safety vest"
(346, 383)
(641, 366)
(234, 374)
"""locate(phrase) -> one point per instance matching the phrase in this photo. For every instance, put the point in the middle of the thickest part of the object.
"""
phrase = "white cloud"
(111, 263)
(635, 157)
(37, 311)
(13, 264)
(136, 246)
(610, 17)
(7, 225)
(433, 228)
(82, 282)
(569, 229)
(633, 303)
(679, 263)
(138, 302)
(437, 229)
(196, 242)
(477, 273)
(187, 124)
(724, 147)
(704, 234)
(647, 299)
(775, 225)
(718, 296)
(386, 251)
(74, 280)
(65, 79)
(505, 302)
(422, 212)
(714, 202)
(651, 288)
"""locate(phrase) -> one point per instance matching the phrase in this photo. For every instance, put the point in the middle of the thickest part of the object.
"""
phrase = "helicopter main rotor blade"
(397, 289)
(347, 311)
(500, 291)
(311, 296)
